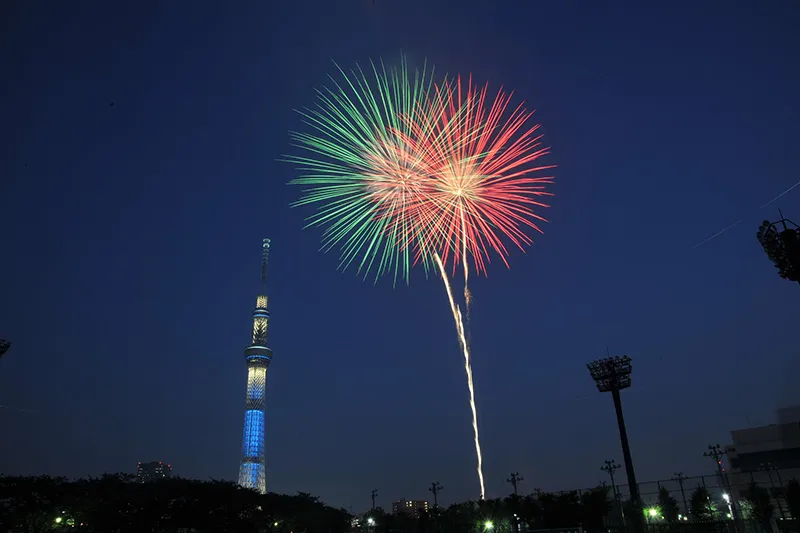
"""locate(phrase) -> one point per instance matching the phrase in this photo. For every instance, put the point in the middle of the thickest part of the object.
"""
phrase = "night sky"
(139, 175)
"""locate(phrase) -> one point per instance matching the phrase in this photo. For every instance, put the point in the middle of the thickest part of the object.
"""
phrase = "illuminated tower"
(252, 472)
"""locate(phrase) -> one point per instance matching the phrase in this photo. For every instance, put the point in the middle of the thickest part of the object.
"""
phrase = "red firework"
(479, 161)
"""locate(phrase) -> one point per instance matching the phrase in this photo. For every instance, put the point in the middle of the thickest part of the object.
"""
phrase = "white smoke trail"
(462, 338)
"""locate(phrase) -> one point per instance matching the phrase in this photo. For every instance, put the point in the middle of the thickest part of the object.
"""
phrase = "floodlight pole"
(633, 487)
(781, 242)
(374, 495)
(4, 346)
(612, 374)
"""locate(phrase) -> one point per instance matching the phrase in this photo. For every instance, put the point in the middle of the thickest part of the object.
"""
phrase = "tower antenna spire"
(252, 469)
(264, 260)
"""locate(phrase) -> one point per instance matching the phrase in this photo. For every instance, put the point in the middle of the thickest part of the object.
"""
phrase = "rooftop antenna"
(264, 260)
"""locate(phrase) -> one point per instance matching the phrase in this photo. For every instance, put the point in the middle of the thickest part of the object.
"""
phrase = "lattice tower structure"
(252, 470)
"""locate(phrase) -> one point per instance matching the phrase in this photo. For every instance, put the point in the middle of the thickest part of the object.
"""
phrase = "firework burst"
(361, 172)
(406, 171)
(483, 177)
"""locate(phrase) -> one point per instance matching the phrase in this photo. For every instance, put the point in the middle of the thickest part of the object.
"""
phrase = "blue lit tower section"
(252, 472)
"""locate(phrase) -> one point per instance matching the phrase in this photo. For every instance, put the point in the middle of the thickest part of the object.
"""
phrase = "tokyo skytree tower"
(252, 472)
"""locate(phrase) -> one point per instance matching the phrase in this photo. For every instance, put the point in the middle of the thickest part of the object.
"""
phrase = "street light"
(782, 245)
(488, 525)
(613, 374)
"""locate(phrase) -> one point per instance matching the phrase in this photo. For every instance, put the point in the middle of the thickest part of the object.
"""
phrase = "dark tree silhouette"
(560, 510)
(402, 522)
(382, 521)
(700, 506)
(424, 521)
(530, 511)
(595, 507)
(459, 518)
(35, 502)
(114, 503)
(668, 505)
(761, 503)
(793, 499)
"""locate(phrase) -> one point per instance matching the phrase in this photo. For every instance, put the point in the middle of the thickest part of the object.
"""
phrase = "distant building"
(411, 507)
(152, 471)
(768, 455)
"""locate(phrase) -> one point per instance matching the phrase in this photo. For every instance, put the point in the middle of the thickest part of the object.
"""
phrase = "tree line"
(502, 515)
(757, 505)
(595, 510)
(115, 503)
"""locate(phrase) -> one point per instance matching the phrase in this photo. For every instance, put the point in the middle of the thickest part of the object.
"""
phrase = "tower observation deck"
(252, 471)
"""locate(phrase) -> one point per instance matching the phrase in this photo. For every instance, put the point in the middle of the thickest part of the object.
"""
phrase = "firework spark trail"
(467, 293)
(467, 367)
(787, 191)
(717, 234)
(723, 230)
(19, 409)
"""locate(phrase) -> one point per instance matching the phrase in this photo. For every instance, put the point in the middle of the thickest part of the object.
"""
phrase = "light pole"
(374, 495)
(514, 479)
(782, 245)
(435, 488)
(768, 468)
(716, 452)
(610, 467)
(613, 374)
(679, 477)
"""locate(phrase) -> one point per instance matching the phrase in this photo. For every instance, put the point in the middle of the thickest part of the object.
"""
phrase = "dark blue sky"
(131, 238)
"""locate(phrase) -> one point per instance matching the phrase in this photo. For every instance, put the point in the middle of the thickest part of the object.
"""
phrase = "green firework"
(357, 170)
